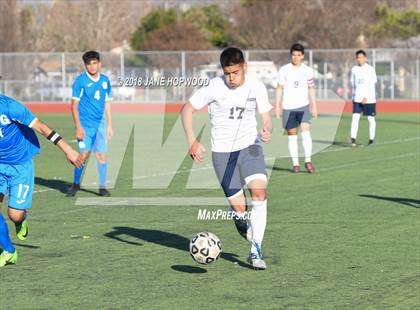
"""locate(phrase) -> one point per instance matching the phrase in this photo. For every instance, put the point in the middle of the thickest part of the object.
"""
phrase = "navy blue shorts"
(236, 169)
(368, 109)
(294, 117)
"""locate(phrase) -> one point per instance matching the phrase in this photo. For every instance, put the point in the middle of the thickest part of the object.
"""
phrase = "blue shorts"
(95, 140)
(236, 169)
(368, 109)
(18, 182)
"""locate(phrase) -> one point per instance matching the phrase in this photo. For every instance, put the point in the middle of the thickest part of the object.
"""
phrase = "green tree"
(212, 22)
(153, 21)
(206, 25)
(392, 23)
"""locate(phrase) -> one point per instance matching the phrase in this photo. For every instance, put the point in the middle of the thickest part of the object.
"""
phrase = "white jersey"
(363, 79)
(295, 81)
(232, 112)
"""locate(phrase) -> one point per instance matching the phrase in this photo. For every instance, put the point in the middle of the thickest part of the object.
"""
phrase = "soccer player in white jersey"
(295, 99)
(363, 80)
(238, 160)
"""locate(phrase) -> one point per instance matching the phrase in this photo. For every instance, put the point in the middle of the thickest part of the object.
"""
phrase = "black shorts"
(294, 117)
(368, 109)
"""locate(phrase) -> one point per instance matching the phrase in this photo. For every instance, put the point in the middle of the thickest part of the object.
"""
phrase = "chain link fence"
(47, 77)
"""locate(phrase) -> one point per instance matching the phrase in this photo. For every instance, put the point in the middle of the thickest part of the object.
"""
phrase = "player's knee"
(16, 216)
(305, 127)
(101, 157)
(259, 194)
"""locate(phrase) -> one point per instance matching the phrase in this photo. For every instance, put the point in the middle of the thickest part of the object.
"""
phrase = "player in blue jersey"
(91, 110)
(18, 144)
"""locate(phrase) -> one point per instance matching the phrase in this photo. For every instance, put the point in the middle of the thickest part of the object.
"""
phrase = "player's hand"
(80, 133)
(109, 132)
(265, 135)
(197, 151)
(364, 101)
(314, 113)
(74, 158)
(278, 111)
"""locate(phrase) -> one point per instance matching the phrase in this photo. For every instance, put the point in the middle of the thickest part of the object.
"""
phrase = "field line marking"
(268, 158)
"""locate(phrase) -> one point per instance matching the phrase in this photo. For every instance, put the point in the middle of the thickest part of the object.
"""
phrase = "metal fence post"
(374, 58)
(122, 73)
(325, 87)
(63, 77)
(311, 58)
(418, 78)
(392, 80)
(183, 74)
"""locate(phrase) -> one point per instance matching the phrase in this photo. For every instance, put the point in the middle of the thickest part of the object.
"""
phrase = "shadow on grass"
(162, 238)
(277, 168)
(59, 185)
(415, 203)
(26, 246)
(188, 269)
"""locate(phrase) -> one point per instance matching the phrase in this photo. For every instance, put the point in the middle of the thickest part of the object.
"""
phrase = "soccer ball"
(205, 248)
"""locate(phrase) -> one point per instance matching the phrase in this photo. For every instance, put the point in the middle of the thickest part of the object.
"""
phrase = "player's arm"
(278, 108)
(109, 130)
(72, 156)
(281, 81)
(312, 98)
(267, 127)
(196, 149)
(312, 101)
(108, 100)
(264, 107)
(77, 93)
(80, 132)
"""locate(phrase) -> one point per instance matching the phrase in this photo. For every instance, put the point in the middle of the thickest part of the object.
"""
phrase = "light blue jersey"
(18, 142)
(92, 95)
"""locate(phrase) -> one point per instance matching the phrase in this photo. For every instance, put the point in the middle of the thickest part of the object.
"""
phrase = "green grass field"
(347, 237)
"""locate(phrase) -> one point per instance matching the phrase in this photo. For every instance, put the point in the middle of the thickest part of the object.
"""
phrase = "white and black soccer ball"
(205, 247)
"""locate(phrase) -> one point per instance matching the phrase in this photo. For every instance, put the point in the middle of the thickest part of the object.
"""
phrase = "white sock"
(354, 125)
(258, 223)
(307, 145)
(293, 149)
(372, 127)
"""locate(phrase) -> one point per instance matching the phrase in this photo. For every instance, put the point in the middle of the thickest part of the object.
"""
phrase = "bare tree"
(16, 27)
(270, 24)
(82, 25)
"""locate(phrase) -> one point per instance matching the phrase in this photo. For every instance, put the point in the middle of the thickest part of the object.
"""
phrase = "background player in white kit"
(237, 155)
(363, 80)
(295, 87)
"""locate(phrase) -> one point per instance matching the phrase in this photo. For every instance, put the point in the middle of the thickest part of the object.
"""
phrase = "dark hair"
(91, 55)
(231, 56)
(361, 52)
(297, 47)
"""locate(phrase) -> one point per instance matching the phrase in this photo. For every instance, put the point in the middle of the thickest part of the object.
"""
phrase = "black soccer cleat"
(71, 192)
(103, 192)
(371, 142)
(353, 142)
